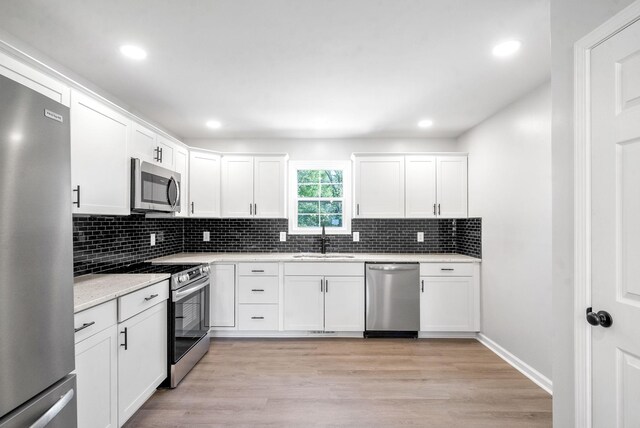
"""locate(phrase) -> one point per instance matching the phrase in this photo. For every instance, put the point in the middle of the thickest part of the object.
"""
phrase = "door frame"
(582, 205)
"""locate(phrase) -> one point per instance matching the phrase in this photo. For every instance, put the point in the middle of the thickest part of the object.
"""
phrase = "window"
(320, 196)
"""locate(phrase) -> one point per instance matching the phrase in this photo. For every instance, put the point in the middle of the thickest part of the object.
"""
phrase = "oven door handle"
(180, 294)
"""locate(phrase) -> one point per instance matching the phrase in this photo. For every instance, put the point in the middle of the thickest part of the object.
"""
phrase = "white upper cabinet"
(253, 186)
(204, 184)
(379, 187)
(269, 187)
(100, 165)
(181, 166)
(148, 146)
(33, 79)
(420, 173)
(237, 186)
(452, 186)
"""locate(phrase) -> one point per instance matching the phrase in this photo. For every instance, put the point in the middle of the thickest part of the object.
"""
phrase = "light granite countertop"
(186, 258)
(92, 290)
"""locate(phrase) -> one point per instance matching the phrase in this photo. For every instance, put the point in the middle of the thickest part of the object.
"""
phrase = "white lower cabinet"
(329, 303)
(449, 303)
(142, 358)
(222, 307)
(97, 379)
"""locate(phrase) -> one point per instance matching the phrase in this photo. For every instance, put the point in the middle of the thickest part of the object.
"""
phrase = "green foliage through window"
(320, 194)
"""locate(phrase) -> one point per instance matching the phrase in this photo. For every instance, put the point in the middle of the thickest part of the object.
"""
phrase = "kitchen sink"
(322, 256)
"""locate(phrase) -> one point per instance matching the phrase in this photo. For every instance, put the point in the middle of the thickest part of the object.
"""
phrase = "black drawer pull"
(153, 296)
(257, 289)
(257, 270)
(446, 269)
(257, 318)
(85, 325)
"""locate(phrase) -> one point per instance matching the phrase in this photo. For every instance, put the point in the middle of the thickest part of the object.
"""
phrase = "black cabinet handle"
(257, 318)
(250, 209)
(326, 285)
(438, 209)
(255, 209)
(192, 207)
(153, 296)
(77, 190)
(257, 270)
(357, 209)
(257, 289)
(85, 325)
(434, 209)
(422, 285)
(447, 269)
(161, 156)
(125, 339)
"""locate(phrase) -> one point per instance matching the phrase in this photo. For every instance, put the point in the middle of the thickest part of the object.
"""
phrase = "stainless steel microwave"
(154, 188)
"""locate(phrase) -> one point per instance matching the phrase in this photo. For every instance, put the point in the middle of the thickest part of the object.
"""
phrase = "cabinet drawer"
(324, 269)
(93, 320)
(138, 301)
(255, 289)
(446, 269)
(263, 269)
(258, 317)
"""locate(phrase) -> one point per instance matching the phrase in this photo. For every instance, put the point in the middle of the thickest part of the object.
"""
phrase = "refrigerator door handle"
(54, 410)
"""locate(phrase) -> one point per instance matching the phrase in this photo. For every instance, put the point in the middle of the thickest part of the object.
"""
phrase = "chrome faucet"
(323, 242)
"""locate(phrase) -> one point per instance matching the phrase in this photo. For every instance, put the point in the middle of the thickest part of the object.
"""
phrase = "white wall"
(510, 188)
(327, 149)
(570, 21)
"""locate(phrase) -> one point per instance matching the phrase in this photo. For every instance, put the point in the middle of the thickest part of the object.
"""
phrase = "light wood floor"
(349, 382)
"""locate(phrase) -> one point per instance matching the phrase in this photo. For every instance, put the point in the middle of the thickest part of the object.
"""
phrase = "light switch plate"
(153, 239)
(356, 236)
(420, 236)
(283, 236)
(206, 236)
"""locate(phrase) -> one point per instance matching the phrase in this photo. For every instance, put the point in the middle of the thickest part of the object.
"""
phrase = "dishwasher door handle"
(394, 268)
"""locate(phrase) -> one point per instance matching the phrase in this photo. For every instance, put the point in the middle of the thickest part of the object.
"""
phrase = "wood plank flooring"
(349, 382)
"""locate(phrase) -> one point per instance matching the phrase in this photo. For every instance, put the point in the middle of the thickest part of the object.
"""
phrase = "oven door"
(189, 317)
(154, 188)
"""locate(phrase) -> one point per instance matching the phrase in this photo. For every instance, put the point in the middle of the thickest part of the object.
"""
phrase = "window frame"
(345, 167)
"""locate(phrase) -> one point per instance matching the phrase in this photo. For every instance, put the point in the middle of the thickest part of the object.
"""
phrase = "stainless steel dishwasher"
(392, 300)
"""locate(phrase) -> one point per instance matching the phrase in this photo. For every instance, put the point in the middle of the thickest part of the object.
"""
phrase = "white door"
(304, 303)
(344, 303)
(269, 187)
(100, 164)
(237, 186)
(420, 184)
(167, 152)
(448, 304)
(379, 187)
(222, 306)
(143, 144)
(97, 380)
(452, 186)
(142, 364)
(204, 184)
(615, 229)
(182, 167)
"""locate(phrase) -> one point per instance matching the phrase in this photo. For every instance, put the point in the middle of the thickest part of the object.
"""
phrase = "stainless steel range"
(188, 323)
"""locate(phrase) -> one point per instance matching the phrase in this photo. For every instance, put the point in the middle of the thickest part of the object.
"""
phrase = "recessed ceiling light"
(214, 124)
(425, 123)
(133, 52)
(506, 48)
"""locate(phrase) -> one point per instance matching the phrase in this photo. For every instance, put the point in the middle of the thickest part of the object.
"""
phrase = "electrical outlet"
(420, 236)
(153, 239)
(283, 236)
(206, 236)
(356, 236)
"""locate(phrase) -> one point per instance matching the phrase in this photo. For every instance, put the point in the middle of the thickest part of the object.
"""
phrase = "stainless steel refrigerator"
(36, 261)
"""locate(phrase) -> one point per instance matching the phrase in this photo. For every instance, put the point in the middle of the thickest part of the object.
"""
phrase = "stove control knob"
(205, 269)
(183, 278)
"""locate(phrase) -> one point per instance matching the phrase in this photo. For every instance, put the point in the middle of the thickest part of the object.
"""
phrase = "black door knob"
(602, 318)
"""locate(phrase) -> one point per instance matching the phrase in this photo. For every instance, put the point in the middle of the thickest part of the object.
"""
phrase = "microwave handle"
(174, 203)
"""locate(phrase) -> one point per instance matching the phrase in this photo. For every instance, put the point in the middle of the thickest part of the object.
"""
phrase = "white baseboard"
(280, 334)
(538, 378)
(447, 335)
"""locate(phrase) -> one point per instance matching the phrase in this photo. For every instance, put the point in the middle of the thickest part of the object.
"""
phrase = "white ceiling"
(297, 68)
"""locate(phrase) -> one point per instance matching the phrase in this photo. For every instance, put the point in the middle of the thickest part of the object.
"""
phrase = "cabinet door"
(223, 296)
(379, 187)
(269, 187)
(99, 161)
(420, 182)
(452, 186)
(204, 184)
(237, 186)
(97, 379)
(303, 303)
(167, 152)
(182, 167)
(142, 366)
(344, 303)
(448, 304)
(143, 144)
